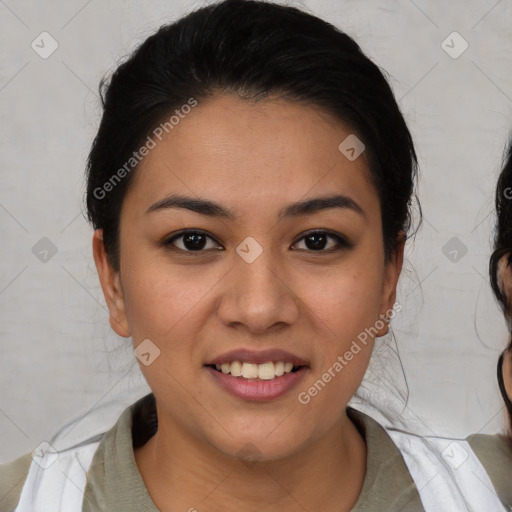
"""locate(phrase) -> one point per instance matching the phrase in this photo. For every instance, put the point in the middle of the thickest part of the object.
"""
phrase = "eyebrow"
(212, 209)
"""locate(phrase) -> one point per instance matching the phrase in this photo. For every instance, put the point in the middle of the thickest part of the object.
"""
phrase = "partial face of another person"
(505, 280)
(507, 373)
(224, 247)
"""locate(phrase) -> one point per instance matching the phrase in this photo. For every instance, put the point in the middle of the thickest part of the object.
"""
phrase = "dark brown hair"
(252, 49)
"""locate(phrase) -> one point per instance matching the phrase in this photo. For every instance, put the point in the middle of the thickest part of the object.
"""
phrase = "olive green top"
(114, 483)
(495, 454)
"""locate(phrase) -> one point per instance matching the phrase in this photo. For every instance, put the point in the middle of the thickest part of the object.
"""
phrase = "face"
(507, 373)
(505, 280)
(251, 266)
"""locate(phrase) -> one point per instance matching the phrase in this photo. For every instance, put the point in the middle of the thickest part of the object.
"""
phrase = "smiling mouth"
(251, 371)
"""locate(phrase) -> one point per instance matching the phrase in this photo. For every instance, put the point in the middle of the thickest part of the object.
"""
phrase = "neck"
(182, 472)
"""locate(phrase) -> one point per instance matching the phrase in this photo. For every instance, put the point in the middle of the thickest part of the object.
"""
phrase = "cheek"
(159, 296)
(348, 301)
(507, 374)
(345, 310)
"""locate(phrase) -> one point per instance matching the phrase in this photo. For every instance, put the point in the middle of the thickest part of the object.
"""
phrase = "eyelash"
(343, 243)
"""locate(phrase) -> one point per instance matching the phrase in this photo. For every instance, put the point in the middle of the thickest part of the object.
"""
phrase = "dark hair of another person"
(253, 50)
(503, 249)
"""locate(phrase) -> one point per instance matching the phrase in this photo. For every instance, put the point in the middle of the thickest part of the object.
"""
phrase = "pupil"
(319, 241)
(191, 240)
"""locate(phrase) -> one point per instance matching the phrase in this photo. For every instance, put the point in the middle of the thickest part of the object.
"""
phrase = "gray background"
(59, 355)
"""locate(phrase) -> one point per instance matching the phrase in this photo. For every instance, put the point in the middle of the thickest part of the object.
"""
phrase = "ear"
(111, 286)
(393, 268)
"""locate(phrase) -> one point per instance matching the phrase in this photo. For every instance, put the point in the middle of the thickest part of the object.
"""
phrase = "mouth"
(269, 370)
(259, 376)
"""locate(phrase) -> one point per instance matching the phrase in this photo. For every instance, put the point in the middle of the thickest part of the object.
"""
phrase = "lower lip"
(258, 390)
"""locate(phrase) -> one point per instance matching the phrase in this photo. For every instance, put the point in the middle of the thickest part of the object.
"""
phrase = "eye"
(191, 241)
(199, 241)
(317, 241)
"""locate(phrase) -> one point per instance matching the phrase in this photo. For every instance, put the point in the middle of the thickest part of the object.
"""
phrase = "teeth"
(249, 370)
(236, 368)
(264, 371)
(279, 369)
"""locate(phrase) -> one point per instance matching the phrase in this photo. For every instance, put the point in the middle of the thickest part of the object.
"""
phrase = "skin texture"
(507, 373)
(255, 159)
(506, 285)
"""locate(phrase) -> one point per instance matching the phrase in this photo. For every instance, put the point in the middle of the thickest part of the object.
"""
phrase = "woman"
(249, 187)
(501, 277)
(495, 452)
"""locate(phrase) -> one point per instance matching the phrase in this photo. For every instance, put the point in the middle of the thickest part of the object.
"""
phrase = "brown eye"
(318, 241)
(191, 241)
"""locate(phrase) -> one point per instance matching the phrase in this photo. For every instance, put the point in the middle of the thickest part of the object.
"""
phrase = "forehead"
(238, 151)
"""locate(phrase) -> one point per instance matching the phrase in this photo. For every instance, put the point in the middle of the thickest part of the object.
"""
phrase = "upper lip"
(258, 357)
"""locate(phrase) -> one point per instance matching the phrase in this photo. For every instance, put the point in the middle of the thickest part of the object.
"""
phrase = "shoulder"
(492, 450)
(12, 479)
(388, 485)
(447, 472)
(46, 478)
(88, 472)
(58, 470)
(495, 454)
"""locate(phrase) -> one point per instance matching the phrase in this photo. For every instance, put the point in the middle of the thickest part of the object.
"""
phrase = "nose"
(258, 295)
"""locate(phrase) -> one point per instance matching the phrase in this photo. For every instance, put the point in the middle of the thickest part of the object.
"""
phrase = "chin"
(260, 446)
